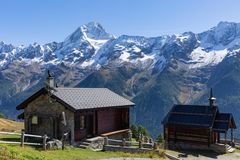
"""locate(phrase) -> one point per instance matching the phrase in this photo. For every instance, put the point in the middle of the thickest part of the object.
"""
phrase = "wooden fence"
(22, 142)
(237, 141)
(131, 144)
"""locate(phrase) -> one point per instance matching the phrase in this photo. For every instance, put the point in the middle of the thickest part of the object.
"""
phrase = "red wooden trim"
(114, 132)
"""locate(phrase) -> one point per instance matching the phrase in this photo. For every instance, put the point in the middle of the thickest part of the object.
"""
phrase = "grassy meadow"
(10, 125)
(15, 152)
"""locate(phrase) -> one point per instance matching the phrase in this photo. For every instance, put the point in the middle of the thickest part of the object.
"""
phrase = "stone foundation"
(126, 149)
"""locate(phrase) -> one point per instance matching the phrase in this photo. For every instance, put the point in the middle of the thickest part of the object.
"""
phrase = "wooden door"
(89, 125)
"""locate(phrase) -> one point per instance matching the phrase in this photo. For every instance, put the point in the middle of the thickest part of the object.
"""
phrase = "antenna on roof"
(211, 93)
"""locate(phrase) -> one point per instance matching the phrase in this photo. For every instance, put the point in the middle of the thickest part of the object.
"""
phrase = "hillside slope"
(10, 125)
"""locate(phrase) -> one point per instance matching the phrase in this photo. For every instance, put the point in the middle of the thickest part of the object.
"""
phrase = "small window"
(34, 120)
(82, 122)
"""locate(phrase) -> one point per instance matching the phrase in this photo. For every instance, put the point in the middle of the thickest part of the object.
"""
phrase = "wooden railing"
(237, 141)
(22, 142)
(132, 144)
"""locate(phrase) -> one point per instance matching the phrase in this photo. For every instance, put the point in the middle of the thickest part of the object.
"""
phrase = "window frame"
(34, 120)
(82, 120)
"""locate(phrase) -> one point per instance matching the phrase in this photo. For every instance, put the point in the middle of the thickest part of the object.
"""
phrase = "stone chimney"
(49, 81)
(212, 100)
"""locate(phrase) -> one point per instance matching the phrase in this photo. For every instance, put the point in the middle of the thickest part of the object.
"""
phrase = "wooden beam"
(191, 135)
(218, 140)
(195, 124)
(225, 136)
(22, 138)
(164, 135)
(194, 114)
(44, 142)
(209, 135)
(218, 120)
(224, 130)
(175, 135)
(189, 141)
(189, 138)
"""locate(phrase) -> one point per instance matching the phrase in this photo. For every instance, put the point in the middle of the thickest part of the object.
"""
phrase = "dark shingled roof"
(199, 116)
(88, 98)
(191, 115)
(82, 98)
(222, 122)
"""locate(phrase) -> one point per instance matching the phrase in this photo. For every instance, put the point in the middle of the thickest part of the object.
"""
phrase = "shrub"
(143, 131)
(137, 130)
(160, 138)
(2, 115)
(134, 130)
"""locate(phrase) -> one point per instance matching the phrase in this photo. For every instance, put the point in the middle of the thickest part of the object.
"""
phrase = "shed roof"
(86, 98)
(191, 115)
(223, 122)
(83, 98)
(199, 116)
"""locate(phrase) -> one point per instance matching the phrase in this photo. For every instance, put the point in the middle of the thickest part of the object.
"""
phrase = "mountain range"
(153, 72)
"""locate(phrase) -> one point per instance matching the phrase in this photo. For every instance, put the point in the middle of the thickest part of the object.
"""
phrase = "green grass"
(13, 138)
(16, 152)
(237, 148)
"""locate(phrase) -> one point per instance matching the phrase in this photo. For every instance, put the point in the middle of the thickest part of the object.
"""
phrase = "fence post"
(154, 145)
(22, 137)
(140, 144)
(106, 141)
(123, 142)
(44, 142)
(63, 142)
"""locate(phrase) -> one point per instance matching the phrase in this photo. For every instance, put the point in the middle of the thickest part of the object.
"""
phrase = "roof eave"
(64, 103)
(21, 116)
(234, 124)
(122, 106)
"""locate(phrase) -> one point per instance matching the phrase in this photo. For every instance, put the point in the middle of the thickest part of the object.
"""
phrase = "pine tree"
(2, 115)
(160, 138)
(134, 130)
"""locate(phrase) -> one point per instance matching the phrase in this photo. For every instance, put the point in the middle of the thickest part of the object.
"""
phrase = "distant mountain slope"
(10, 126)
(154, 72)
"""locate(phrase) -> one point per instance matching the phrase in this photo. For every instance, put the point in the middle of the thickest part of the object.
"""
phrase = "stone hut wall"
(50, 118)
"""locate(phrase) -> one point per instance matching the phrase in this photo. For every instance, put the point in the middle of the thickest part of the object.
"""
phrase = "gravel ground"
(124, 158)
(205, 156)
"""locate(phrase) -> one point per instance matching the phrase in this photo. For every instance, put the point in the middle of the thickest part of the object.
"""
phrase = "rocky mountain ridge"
(153, 72)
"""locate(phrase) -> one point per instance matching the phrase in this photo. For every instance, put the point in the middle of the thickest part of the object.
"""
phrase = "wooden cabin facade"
(197, 124)
(102, 120)
(82, 112)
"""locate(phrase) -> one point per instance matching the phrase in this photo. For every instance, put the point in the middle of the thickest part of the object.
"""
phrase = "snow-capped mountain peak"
(95, 30)
(90, 46)
(80, 46)
(92, 30)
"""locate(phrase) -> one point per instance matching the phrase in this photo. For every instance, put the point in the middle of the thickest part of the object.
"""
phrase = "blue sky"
(42, 21)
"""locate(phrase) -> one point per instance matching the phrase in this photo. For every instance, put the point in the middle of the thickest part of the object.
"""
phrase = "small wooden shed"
(197, 124)
(83, 112)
